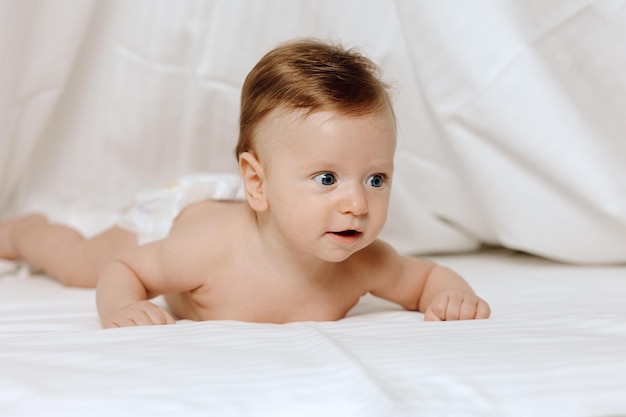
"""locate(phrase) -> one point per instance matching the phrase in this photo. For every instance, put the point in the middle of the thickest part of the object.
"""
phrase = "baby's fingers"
(437, 310)
(474, 308)
(156, 315)
(467, 311)
(457, 306)
(482, 310)
(139, 314)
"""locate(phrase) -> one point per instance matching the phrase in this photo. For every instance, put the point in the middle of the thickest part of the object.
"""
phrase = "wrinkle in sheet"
(386, 400)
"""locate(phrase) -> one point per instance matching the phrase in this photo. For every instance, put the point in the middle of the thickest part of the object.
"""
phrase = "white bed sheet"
(555, 346)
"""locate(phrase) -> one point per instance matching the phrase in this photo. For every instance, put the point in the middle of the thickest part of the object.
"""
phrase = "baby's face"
(328, 179)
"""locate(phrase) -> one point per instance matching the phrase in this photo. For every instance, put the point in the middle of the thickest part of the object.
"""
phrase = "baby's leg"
(60, 251)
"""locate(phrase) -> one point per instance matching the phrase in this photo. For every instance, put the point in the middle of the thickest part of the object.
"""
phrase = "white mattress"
(555, 346)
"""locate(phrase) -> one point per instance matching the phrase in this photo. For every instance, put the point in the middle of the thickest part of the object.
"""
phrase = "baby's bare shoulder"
(208, 229)
(199, 248)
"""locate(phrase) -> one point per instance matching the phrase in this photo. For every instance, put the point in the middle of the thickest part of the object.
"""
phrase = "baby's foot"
(7, 251)
(10, 228)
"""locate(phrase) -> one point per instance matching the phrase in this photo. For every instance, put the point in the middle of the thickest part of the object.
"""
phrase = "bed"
(510, 168)
(555, 346)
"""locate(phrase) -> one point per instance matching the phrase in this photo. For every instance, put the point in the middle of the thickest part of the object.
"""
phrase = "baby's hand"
(142, 313)
(457, 305)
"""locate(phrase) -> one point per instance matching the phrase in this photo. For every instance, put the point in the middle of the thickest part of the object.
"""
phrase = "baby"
(316, 150)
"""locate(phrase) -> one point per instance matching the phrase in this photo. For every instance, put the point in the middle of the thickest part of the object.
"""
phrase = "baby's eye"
(376, 181)
(326, 178)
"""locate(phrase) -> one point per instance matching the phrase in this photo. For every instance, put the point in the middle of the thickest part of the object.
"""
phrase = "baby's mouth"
(348, 233)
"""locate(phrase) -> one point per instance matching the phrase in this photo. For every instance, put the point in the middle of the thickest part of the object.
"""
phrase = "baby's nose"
(354, 201)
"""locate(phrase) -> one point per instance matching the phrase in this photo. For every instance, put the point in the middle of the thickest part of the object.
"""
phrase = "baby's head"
(316, 148)
(310, 76)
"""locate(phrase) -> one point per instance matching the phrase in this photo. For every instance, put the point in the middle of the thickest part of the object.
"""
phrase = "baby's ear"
(253, 180)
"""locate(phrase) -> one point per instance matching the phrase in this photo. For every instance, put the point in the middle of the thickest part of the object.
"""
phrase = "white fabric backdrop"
(510, 111)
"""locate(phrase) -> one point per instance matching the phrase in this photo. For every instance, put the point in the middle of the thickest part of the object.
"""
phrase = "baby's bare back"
(217, 246)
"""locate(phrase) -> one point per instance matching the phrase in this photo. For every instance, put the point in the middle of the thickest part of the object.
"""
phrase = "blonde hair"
(313, 76)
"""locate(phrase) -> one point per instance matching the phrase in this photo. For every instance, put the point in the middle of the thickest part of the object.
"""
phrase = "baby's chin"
(338, 256)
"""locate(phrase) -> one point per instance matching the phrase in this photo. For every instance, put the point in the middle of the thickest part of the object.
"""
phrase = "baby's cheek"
(379, 220)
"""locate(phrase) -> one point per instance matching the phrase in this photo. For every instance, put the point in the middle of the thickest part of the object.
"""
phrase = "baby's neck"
(286, 261)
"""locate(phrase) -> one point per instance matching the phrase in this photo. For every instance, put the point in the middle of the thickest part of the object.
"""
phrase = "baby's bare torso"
(237, 280)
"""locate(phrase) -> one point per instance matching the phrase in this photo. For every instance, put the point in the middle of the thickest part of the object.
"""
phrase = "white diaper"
(154, 211)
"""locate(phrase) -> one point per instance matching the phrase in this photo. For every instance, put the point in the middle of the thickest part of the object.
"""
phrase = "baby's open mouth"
(348, 233)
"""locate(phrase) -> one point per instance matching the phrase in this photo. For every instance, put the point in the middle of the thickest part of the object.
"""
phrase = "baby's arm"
(122, 299)
(134, 277)
(420, 284)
